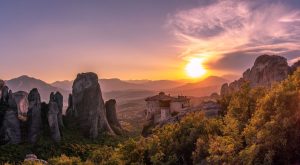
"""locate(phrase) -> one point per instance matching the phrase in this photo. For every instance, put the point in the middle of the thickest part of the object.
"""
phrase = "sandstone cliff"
(267, 69)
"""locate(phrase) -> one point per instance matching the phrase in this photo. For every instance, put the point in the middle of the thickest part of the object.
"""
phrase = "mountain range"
(121, 89)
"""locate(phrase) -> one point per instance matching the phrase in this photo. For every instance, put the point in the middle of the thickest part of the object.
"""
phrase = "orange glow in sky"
(194, 68)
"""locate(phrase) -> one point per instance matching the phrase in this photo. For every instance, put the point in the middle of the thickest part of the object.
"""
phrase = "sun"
(194, 68)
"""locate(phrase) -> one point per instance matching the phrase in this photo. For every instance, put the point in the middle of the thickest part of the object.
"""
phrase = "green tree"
(226, 147)
(274, 131)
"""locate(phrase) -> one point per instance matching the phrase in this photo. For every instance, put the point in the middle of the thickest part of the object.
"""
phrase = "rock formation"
(20, 99)
(88, 106)
(34, 115)
(10, 129)
(70, 105)
(295, 66)
(2, 83)
(111, 115)
(59, 99)
(23, 117)
(53, 119)
(44, 115)
(267, 69)
(1, 86)
(4, 95)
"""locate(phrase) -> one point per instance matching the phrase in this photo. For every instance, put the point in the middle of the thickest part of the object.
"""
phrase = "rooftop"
(163, 97)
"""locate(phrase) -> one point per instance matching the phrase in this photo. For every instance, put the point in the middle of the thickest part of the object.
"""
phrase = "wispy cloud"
(231, 26)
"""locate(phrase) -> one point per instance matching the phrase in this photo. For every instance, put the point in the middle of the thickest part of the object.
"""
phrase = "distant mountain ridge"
(120, 89)
(114, 84)
(209, 85)
(26, 83)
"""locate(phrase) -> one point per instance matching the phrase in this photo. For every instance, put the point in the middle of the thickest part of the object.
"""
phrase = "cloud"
(227, 27)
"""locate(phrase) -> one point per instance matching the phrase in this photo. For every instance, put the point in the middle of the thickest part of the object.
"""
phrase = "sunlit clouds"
(227, 27)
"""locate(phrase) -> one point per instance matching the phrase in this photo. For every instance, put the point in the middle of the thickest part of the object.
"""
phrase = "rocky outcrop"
(23, 117)
(11, 128)
(267, 70)
(34, 115)
(111, 115)
(53, 119)
(4, 95)
(70, 106)
(44, 116)
(227, 89)
(224, 90)
(88, 109)
(2, 83)
(295, 66)
(3, 102)
(20, 99)
(59, 99)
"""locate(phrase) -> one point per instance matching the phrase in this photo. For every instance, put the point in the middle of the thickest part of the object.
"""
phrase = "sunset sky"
(142, 39)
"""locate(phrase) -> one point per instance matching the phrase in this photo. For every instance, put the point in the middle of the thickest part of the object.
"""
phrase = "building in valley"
(160, 107)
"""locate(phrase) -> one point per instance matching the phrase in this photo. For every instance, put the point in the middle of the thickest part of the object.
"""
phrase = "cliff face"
(267, 69)
(111, 115)
(88, 109)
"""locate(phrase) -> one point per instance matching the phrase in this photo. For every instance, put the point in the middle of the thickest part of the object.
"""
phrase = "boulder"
(59, 99)
(88, 105)
(53, 119)
(34, 115)
(111, 115)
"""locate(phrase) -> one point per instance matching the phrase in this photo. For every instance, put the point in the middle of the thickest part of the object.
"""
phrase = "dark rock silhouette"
(2, 83)
(295, 66)
(34, 115)
(88, 106)
(53, 119)
(11, 128)
(44, 116)
(59, 99)
(111, 115)
(70, 105)
(4, 95)
(69, 117)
